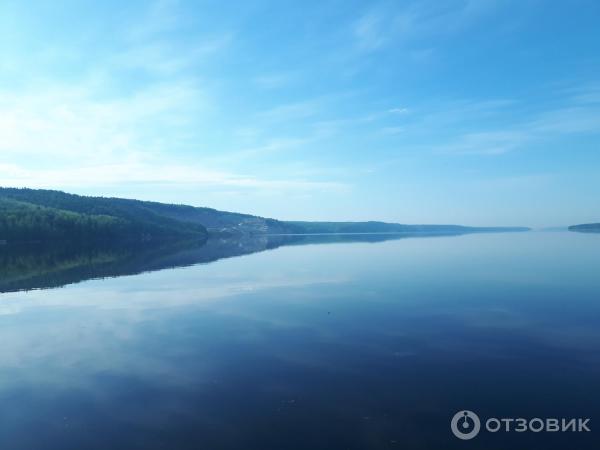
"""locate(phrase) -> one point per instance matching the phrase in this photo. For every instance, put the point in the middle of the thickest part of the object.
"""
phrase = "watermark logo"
(465, 425)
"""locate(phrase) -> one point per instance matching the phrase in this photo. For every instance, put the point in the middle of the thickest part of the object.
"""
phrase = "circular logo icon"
(465, 425)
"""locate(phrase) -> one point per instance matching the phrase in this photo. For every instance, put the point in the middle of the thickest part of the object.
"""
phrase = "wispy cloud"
(275, 80)
(166, 58)
(571, 118)
(398, 110)
(161, 16)
(568, 120)
(486, 143)
(370, 32)
(270, 146)
(392, 130)
(85, 133)
(82, 140)
(291, 111)
(386, 24)
(151, 173)
(66, 121)
(586, 94)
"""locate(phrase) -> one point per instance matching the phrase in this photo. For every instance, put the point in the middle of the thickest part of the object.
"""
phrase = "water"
(332, 345)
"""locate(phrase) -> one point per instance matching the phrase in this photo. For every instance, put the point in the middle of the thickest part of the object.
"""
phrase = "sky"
(481, 112)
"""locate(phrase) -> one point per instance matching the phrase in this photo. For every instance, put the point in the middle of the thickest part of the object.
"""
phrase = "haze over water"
(349, 345)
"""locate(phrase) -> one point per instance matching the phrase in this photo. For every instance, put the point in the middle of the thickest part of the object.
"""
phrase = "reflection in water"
(39, 266)
(357, 346)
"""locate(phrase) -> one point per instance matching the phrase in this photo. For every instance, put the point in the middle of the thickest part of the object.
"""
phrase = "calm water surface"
(344, 345)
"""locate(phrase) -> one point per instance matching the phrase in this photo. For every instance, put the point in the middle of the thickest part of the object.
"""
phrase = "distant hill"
(384, 227)
(586, 228)
(220, 221)
(41, 215)
(45, 215)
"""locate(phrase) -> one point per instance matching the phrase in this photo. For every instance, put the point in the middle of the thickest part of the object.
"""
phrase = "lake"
(300, 343)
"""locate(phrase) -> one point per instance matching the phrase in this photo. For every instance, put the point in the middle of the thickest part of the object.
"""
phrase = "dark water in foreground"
(349, 345)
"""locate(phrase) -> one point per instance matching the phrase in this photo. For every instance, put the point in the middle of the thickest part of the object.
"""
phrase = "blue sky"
(474, 112)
